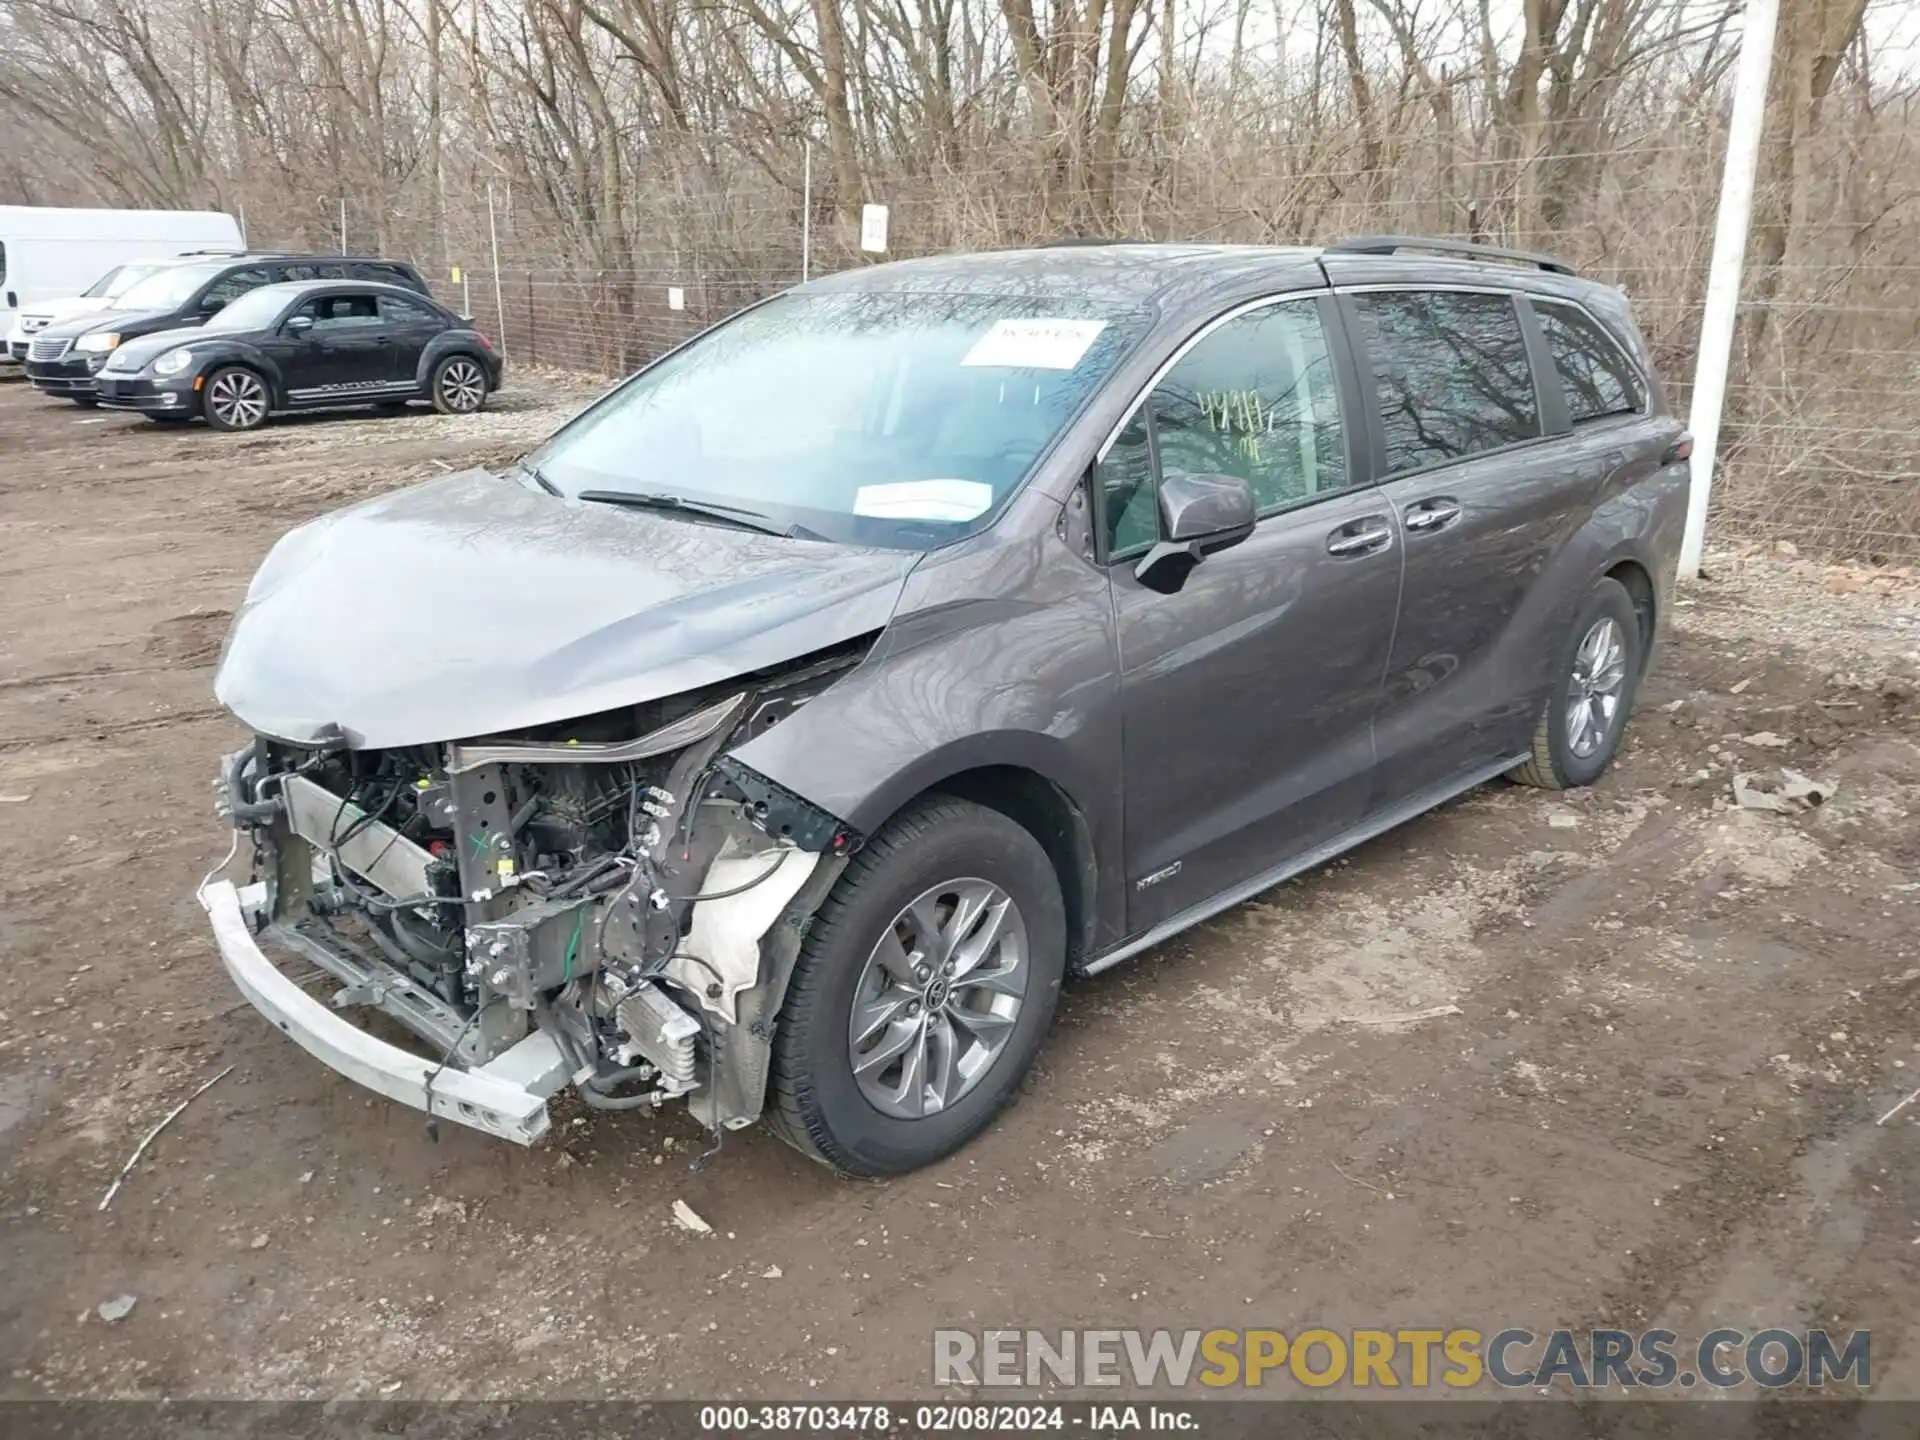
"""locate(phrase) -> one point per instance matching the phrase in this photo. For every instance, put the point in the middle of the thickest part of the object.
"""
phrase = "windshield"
(892, 419)
(255, 310)
(166, 288)
(119, 280)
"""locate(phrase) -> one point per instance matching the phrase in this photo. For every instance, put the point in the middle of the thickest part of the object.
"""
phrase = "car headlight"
(97, 343)
(173, 362)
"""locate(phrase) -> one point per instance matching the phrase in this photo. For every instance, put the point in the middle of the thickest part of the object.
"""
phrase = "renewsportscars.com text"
(1403, 1358)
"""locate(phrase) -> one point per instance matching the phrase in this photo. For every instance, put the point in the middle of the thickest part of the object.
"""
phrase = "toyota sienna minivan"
(781, 733)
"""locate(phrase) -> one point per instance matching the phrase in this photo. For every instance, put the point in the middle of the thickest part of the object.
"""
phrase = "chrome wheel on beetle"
(1594, 688)
(236, 399)
(460, 386)
(938, 998)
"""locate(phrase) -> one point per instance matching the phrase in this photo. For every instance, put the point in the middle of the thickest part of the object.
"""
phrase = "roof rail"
(1393, 244)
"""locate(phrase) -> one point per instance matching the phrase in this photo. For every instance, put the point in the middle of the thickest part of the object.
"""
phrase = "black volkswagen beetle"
(305, 345)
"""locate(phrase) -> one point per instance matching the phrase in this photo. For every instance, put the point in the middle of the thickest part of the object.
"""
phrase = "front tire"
(236, 398)
(459, 385)
(922, 991)
(85, 402)
(1582, 723)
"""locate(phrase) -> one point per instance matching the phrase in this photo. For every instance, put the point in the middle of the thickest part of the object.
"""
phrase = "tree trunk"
(849, 188)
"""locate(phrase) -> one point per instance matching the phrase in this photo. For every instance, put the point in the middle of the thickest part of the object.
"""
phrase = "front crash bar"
(507, 1097)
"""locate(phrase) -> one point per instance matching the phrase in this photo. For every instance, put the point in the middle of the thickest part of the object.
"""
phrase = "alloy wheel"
(463, 386)
(1595, 687)
(938, 998)
(238, 399)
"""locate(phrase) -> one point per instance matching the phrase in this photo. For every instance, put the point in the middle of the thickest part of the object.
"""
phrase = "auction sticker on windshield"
(1035, 344)
(924, 500)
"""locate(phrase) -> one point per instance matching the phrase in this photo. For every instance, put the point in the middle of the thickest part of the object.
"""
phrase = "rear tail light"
(489, 344)
(1680, 450)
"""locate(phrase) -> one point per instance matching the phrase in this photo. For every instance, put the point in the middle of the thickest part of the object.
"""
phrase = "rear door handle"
(1364, 536)
(1429, 515)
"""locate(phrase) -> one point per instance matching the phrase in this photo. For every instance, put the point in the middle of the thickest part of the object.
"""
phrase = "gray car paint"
(1193, 729)
(475, 605)
(1243, 786)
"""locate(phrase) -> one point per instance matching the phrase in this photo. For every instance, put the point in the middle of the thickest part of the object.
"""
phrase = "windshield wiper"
(528, 468)
(710, 509)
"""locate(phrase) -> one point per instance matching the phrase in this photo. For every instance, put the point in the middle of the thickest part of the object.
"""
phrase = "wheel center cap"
(937, 990)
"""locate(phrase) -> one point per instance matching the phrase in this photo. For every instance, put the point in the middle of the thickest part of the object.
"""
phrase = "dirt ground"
(1607, 1058)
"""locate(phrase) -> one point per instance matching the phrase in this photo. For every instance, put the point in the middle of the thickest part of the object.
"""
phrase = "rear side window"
(1450, 368)
(396, 310)
(1594, 371)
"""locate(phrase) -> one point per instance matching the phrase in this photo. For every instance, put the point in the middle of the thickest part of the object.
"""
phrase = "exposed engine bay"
(617, 889)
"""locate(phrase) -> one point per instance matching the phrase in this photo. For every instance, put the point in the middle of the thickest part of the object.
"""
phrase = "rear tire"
(236, 398)
(1585, 716)
(459, 385)
(946, 891)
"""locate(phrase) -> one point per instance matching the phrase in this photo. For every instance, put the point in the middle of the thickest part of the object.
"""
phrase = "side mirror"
(299, 325)
(1199, 515)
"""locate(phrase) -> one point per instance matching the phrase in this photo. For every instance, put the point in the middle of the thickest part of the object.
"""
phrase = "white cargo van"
(47, 253)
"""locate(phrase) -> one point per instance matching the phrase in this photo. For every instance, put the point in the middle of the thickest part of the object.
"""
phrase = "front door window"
(1257, 399)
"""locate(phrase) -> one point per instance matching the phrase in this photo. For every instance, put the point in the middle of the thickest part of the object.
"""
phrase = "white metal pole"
(343, 224)
(499, 305)
(806, 210)
(1723, 275)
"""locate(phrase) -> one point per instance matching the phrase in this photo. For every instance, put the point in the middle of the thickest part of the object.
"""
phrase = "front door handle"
(1364, 536)
(1429, 515)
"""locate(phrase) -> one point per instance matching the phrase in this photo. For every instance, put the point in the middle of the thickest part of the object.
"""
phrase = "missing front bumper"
(507, 1097)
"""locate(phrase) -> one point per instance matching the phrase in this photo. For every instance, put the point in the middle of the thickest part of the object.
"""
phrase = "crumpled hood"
(473, 605)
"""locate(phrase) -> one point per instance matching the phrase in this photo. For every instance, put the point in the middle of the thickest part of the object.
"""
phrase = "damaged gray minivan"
(780, 734)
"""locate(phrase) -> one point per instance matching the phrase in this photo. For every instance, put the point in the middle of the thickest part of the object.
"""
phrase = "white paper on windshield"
(1036, 344)
(924, 500)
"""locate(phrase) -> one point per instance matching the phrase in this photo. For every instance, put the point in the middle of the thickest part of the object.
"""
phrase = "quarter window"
(1450, 369)
(1256, 399)
(1599, 379)
(231, 286)
(1129, 489)
(398, 311)
(341, 312)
